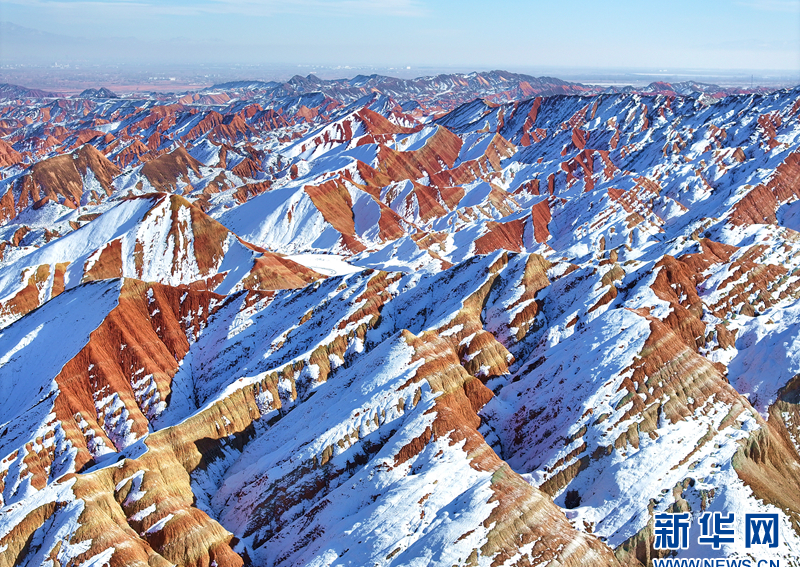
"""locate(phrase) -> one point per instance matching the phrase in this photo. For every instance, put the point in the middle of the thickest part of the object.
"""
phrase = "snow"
(143, 513)
(159, 525)
(416, 141)
(101, 559)
(475, 195)
(265, 220)
(358, 399)
(206, 152)
(767, 355)
(27, 386)
(56, 531)
(735, 497)
(614, 493)
(789, 216)
(452, 331)
(77, 246)
(326, 264)
(135, 492)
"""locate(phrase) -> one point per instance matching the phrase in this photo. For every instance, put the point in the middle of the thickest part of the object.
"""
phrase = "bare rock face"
(165, 171)
(462, 320)
(62, 179)
(8, 156)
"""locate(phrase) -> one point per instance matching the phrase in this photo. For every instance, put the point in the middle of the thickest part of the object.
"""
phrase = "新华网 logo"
(672, 530)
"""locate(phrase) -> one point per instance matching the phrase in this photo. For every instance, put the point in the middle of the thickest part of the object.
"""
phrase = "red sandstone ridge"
(164, 172)
(540, 217)
(502, 236)
(8, 156)
(762, 202)
(62, 179)
(438, 153)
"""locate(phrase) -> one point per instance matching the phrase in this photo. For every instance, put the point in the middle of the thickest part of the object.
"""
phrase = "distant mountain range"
(446, 89)
(8, 91)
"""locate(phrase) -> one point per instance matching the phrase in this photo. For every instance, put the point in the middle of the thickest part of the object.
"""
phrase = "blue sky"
(704, 34)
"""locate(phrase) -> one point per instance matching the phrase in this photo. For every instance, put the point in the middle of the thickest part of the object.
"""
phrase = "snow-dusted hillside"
(272, 326)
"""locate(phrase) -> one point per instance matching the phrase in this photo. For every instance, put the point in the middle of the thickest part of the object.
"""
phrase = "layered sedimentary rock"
(264, 325)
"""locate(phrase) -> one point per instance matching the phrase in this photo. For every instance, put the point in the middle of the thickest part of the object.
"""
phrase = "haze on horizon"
(518, 34)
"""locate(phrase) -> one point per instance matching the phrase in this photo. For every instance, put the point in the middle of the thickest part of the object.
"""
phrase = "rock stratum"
(461, 320)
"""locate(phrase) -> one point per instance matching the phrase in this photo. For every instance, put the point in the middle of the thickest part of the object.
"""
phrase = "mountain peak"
(100, 93)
